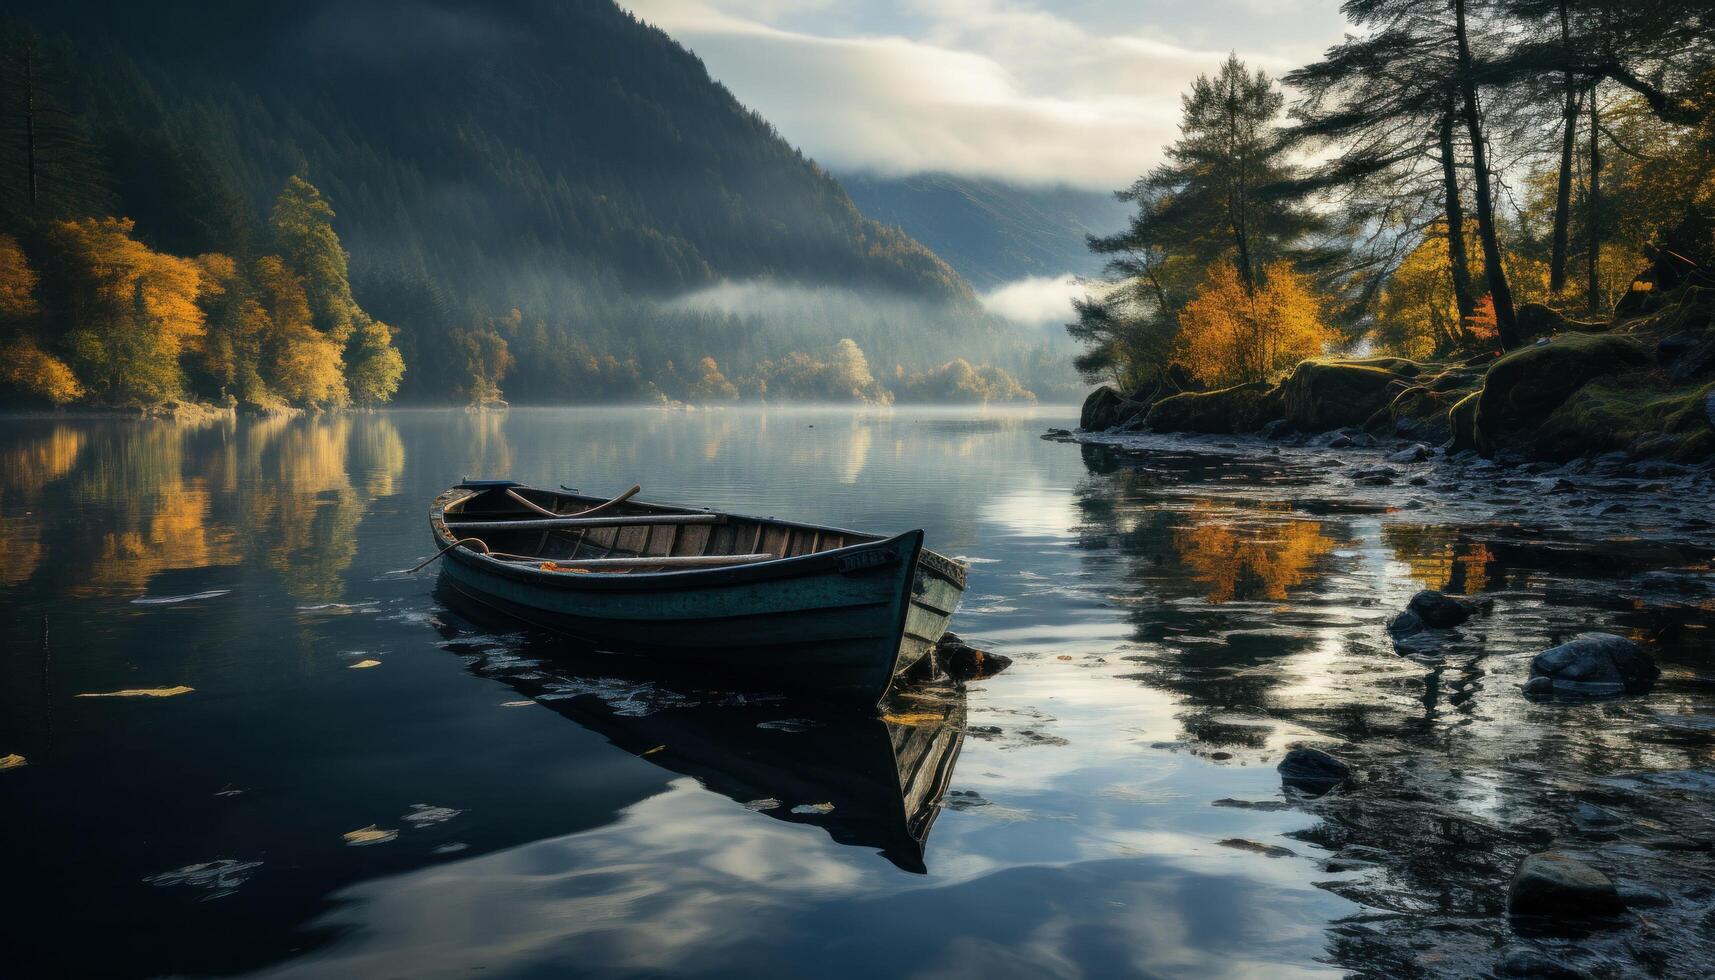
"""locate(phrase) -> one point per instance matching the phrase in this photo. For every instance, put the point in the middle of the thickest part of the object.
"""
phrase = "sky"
(1077, 92)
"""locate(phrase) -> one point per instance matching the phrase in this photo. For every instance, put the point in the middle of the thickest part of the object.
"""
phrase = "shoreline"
(1611, 494)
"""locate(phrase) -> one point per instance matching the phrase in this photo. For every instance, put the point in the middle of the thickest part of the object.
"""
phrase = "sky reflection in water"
(1176, 625)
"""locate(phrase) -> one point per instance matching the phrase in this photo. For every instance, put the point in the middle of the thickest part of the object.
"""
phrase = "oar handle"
(425, 563)
(615, 502)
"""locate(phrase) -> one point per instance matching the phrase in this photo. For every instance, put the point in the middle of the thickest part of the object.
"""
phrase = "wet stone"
(1312, 770)
(1257, 847)
(1411, 454)
(1406, 623)
(965, 662)
(1551, 885)
(1438, 610)
(1593, 665)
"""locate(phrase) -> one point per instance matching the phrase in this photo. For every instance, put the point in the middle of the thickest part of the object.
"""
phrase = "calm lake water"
(365, 782)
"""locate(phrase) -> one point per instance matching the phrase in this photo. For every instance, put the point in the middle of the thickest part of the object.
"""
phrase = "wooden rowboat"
(822, 609)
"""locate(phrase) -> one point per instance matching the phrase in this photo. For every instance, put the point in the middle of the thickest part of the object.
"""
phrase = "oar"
(423, 564)
(615, 502)
(598, 508)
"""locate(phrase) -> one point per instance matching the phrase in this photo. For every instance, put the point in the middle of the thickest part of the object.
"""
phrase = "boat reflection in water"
(872, 780)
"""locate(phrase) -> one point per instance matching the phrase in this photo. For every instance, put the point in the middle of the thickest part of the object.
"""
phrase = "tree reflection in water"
(1258, 599)
(156, 498)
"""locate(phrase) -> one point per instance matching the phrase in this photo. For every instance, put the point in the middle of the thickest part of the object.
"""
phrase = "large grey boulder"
(1593, 665)
(1551, 885)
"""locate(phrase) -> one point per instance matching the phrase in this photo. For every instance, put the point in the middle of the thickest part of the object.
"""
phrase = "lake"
(364, 780)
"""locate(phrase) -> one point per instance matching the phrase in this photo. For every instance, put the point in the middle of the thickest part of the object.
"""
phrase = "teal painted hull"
(841, 622)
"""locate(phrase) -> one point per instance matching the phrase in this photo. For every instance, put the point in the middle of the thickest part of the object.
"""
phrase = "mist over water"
(363, 779)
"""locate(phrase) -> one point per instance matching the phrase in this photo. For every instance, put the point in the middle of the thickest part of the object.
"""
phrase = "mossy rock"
(1101, 410)
(1630, 414)
(1462, 423)
(1418, 413)
(1241, 408)
(1405, 367)
(1323, 395)
(1523, 388)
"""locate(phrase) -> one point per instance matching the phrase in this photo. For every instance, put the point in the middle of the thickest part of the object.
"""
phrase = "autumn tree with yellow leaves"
(101, 314)
(133, 310)
(1231, 334)
(24, 366)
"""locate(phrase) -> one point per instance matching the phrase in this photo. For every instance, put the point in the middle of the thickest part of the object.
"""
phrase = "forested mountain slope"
(560, 159)
(990, 231)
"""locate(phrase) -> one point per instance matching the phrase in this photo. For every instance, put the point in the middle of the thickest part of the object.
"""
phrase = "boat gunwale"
(788, 566)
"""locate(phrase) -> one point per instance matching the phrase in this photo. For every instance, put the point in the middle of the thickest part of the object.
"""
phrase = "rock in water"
(1551, 885)
(1242, 408)
(1312, 770)
(1438, 610)
(1321, 395)
(965, 662)
(1101, 410)
(1407, 623)
(1411, 454)
(1593, 665)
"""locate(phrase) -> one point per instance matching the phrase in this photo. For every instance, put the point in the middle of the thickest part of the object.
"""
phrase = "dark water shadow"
(868, 779)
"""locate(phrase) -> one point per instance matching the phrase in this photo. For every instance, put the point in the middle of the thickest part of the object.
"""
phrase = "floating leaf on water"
(12, 761)
(220, 878)
(816, 808)
(341, 608)
(915, 719)
(369, 835)
(658, 748)
(362, 664)
(142, 692)
(450, 848)
(762, 805)
(173, 600)
(423, 815)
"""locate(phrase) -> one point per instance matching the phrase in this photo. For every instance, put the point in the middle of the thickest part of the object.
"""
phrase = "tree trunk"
(1457, 263)
(1505, 322)
(30, 121)
(1594, 218)
(1563, 190)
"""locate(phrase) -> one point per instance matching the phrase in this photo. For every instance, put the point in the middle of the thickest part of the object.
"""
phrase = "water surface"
(364, 780)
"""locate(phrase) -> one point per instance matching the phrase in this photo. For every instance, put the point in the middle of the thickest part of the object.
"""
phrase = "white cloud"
(977, 87)
(1035, 300)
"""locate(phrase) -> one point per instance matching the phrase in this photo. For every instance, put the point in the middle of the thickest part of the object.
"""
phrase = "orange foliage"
(1481, 324)
(120, 273)
(28, 368)
(1230, 335)
(17, 280)
(133, 310)
(303, 364)
(1242, 562)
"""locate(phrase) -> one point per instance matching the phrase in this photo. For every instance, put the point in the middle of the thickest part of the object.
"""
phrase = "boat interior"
(572, 532)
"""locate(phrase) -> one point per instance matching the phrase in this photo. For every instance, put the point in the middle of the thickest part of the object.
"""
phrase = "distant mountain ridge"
(458, 136)
(990, 231)
(561, 159)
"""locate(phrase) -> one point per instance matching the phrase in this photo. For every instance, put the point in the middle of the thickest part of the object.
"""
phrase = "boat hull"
(833, 626)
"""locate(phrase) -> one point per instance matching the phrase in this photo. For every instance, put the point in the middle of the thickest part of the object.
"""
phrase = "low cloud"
(975, 87)
(1035, 300)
